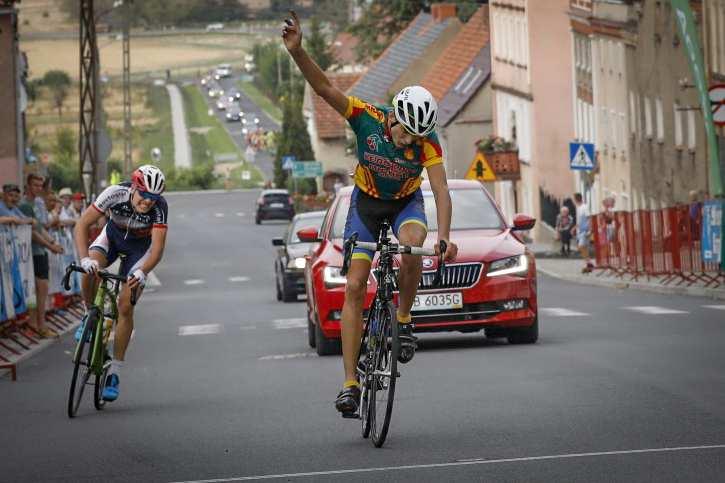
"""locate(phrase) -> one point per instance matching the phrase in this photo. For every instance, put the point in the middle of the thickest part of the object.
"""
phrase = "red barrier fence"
(663, 244)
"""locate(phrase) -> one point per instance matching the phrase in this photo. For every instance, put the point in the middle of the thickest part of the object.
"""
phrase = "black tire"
(364, 377)
(525, 335)
(496, 333)
(286, 295)
(81, 365)
(276, 283)
(325, 346)
(310, 332)
(385, 359)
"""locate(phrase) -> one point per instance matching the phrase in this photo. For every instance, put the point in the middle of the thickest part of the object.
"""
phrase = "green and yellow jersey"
(384, 171)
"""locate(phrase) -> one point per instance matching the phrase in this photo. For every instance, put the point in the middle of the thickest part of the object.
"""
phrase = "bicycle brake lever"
(347, 253)
(66, 277)
(442, 247)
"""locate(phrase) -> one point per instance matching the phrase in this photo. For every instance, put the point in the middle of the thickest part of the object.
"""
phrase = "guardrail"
(665, 244)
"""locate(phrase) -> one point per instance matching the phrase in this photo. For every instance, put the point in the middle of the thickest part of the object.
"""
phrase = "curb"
(716, 294)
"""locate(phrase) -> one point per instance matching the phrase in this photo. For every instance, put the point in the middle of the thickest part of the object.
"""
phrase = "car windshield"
(472, 210)
(276, 198)
(306, 222)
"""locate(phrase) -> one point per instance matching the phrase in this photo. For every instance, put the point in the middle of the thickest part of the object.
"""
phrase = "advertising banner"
(15, 259)
(712, 231)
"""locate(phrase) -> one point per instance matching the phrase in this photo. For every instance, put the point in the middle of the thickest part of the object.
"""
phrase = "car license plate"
(276, 205)
(437, 301)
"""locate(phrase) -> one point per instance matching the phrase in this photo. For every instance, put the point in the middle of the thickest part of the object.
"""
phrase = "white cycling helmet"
(416, 109)
(148, 178)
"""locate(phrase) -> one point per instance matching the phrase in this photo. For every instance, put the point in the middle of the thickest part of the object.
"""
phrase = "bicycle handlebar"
(101, 273)
(400, 249)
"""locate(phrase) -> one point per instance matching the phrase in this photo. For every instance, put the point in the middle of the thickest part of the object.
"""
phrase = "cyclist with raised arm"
(136, 230)
(394, 144)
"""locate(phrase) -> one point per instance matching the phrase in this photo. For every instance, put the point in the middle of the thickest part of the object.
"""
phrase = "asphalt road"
(263, 159)
(623, 386)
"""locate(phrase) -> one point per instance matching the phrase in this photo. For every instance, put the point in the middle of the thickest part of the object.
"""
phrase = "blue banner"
(712, 241)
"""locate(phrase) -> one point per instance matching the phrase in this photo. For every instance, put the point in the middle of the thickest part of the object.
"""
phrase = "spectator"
(41, 241)
(9, 212)
(695, 215)
(68, 215)
(608, 215)
(581, 230)
(564, 223)
(78, 204)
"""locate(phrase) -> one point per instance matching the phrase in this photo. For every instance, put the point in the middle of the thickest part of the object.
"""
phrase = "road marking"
(181, 215)
(654, 310)
(715, 307)
(248, 327)
(239, 279)
(152, 280)
(239, 213)
(219, 215)
(478, 461)
(561, 312)
(280, 357)
(199, 329)
(290, 323)
(193, 281)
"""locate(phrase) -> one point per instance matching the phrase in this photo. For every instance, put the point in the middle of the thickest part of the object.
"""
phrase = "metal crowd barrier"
(664, 244)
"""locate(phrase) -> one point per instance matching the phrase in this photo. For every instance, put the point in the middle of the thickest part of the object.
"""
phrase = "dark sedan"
(289, 266)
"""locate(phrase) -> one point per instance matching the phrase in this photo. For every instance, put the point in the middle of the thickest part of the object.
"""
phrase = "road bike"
(91, 356)
(377, 366)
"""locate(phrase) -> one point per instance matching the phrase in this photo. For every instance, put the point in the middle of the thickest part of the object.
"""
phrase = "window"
(647, 118)
(660, 120)
(691, 131)
(678, 124)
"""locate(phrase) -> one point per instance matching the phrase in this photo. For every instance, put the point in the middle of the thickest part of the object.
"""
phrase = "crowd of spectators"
(52, 216)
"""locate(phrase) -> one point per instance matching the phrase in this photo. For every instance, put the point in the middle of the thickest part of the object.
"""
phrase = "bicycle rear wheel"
(81, 365)
(98, 400)
(384, 372)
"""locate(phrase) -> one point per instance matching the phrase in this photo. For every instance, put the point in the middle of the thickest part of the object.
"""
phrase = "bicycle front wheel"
(81, 365)
(384, 372)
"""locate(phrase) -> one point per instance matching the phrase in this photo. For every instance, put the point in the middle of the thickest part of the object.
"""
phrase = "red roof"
(458, 55)
(328, 122)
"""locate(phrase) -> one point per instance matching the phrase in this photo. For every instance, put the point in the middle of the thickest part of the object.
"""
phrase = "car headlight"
(517, 265)
(332, 276)
(298, 262)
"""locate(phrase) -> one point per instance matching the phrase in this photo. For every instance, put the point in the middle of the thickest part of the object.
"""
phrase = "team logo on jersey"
(373, 142)
(374, 112)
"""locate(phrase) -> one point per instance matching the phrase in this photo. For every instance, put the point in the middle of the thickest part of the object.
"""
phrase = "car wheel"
(286, 295)
(257, 220)
(310, 331)
(525, 335)
(276, 283)
(495, 333)
(325, 346)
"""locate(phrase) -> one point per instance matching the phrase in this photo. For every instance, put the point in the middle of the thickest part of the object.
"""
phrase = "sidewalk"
(570, 269)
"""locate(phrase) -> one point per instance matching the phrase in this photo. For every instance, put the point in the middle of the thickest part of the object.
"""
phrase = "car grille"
(461, 275)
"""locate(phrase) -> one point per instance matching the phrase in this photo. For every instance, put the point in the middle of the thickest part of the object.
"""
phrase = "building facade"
(531, 62)
(11, 124)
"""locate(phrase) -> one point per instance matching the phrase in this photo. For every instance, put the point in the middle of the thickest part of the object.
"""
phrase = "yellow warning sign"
(480, 169)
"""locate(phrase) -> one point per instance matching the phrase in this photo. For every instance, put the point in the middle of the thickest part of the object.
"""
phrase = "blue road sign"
(288, 162)
(712, 231)
(581, 156)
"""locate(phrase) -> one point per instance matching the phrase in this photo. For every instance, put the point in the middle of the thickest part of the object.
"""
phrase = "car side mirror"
(308, 235)
(523, 222)
(278, 242)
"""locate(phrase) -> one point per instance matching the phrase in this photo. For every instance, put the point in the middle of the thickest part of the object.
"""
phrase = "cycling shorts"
(366, 214)
(112, 242)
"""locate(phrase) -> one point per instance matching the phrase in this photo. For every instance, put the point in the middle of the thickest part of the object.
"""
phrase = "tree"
(63, 169)
(384, 19)
(317, 46)
(58, 82)
(293, 140)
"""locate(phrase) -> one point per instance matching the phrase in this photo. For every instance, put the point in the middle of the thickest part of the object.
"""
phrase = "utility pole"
(88, 134)
(127, 140)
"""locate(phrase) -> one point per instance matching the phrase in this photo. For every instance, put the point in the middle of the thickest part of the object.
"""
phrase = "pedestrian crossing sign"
(480, 169)
(581, 156)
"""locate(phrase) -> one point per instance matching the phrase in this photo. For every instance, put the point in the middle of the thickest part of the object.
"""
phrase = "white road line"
(239, 213)
(561, 312)
(654, 310)
(715, 307)
(193, 281)
(248, 327)
(280, 357)
(480, 461)
(289, 323)
(200, 329)
(219, 215)
(239, 279)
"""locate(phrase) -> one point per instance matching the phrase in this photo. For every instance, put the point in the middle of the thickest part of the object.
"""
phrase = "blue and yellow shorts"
(366, 214)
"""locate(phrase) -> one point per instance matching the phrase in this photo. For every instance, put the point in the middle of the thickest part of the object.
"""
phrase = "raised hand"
(292, 32)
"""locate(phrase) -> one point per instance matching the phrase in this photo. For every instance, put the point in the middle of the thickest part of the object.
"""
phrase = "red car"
(491, 285)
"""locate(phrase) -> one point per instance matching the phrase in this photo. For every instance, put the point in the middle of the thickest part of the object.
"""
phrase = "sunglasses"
(149, 196)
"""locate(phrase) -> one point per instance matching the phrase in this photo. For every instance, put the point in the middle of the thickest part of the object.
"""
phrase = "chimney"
(442, 11)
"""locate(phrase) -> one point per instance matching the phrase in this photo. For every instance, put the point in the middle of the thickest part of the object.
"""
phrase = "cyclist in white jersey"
(136, 228)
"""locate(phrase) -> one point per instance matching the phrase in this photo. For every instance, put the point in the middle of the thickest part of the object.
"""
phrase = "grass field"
(213, 141)
(261, 100)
